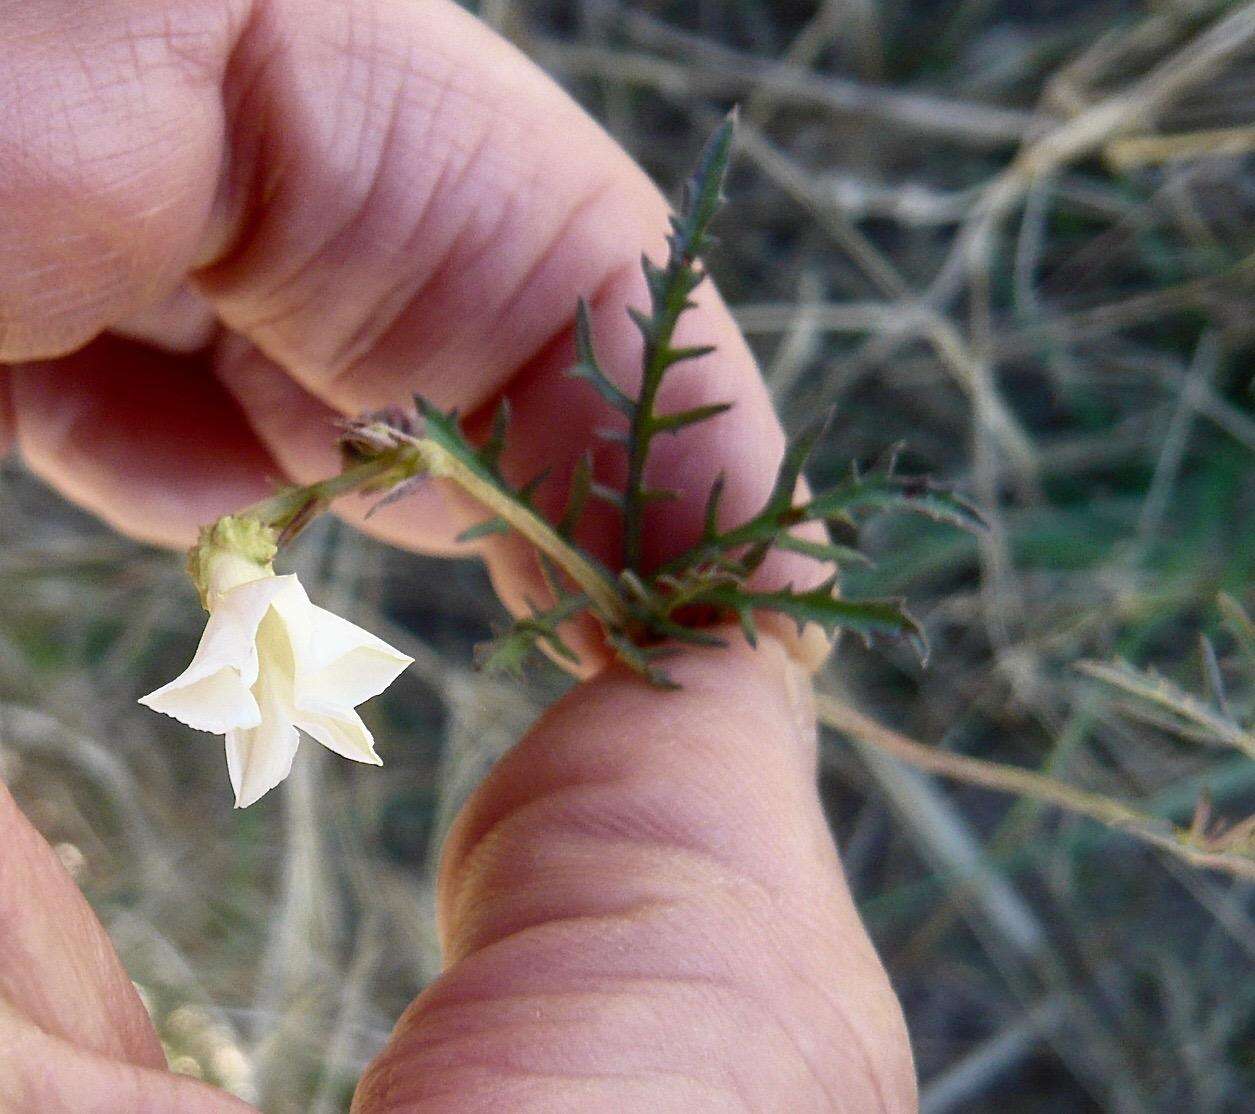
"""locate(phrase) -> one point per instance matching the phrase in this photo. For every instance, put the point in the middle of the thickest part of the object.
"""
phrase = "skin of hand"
(227, 223)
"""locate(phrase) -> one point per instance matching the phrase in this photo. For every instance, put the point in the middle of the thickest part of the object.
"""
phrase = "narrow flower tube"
(271, 664)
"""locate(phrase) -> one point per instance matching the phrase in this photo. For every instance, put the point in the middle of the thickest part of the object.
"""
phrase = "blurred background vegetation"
(1016, 237)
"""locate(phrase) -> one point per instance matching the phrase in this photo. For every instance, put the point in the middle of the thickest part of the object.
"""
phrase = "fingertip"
(723, 766)
(57, 968)
(655, 861)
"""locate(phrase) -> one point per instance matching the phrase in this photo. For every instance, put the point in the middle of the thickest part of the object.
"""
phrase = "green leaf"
(912, 494)
(494, 525)
(871, 619)
(490, 451)
(673, 423)
(1154, 692)
(509, 651)
(703, 194)
(670, 287)
(822, 551)
(796, 454)
(642, 659)
(577, 497)
(710, 529)
(588, 368)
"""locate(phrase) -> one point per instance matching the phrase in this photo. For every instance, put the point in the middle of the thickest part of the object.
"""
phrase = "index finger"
(381, 197)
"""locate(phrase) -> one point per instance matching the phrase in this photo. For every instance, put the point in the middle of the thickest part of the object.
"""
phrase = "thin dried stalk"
(1187, 844)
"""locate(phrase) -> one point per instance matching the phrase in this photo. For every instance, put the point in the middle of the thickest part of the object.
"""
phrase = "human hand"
(225, 224)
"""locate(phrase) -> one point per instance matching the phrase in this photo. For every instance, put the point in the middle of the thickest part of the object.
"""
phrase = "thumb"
(642, 903)
(58, 970)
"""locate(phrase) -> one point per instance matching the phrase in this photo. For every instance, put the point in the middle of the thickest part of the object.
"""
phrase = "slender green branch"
(391, 467)
(448, 462)
(436, 455)
(669, 290)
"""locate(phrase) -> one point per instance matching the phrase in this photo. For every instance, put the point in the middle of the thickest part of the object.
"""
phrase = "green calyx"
(231, 551)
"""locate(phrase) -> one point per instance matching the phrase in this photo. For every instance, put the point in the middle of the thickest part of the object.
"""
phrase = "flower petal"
(344, 733)
(338, 665)
(212, 693)
(219, 703)
(260, 757)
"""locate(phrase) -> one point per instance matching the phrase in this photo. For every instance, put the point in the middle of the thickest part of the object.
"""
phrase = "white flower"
(270, 663)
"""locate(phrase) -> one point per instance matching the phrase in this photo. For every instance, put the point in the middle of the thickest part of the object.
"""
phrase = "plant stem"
(594, 583)
(840, 716)
(279, 509)
(639, 440)
(422, 454)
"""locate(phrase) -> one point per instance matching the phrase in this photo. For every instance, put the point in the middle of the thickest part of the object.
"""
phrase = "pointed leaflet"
(1216, 691)
(587, 368)
(552, 576)
(703, 194)
(693, 352)
(822, 551)
(884, 492)
(710, 528)
(1239, 625)
(669, 290)
(606, 494)
(765, 528)
(527, 492)
(577, 497)
(868, 618)
(859, 494)
(796, 454)
(642, 658)
(510, 650)
(490, 450)
(489, 526)
(673, 423)
(678, 632)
